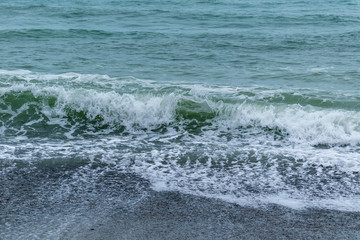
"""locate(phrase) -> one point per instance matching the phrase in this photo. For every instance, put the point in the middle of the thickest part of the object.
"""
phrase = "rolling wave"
(31, 103)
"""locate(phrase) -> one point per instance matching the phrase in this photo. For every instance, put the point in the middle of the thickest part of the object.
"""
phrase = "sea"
(251, 102)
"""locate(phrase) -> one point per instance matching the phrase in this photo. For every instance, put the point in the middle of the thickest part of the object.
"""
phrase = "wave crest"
(90, 103)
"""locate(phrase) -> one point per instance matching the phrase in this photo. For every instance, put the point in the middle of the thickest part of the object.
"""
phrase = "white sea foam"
(256, 176)
(28, 75)
(303, 124)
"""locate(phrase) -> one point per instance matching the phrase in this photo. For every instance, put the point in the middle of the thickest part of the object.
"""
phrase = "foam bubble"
(303, 124)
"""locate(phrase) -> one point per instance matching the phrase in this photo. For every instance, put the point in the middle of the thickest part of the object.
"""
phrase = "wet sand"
(170, 215)
(38, 205)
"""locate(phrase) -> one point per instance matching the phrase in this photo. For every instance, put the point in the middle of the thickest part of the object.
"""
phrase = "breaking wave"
(74, 104)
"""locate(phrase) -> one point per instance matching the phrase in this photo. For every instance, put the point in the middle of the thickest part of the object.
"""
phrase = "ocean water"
(252, 102)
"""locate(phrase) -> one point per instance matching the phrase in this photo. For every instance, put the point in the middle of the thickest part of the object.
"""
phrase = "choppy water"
(252, 102)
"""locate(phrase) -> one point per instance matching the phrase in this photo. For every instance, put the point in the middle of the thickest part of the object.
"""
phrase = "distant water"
(252, 102)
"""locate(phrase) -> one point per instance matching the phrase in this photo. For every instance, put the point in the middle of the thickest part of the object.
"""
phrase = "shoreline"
(172, 215)
(124, 206)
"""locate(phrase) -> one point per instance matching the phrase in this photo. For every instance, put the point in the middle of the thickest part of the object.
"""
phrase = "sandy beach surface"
(170, 215)
(128, 208)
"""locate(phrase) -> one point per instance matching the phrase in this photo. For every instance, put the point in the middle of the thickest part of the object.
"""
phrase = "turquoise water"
(252, 102)
(239, 43)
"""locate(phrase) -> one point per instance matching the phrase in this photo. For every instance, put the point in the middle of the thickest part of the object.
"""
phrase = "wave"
(30, 102)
